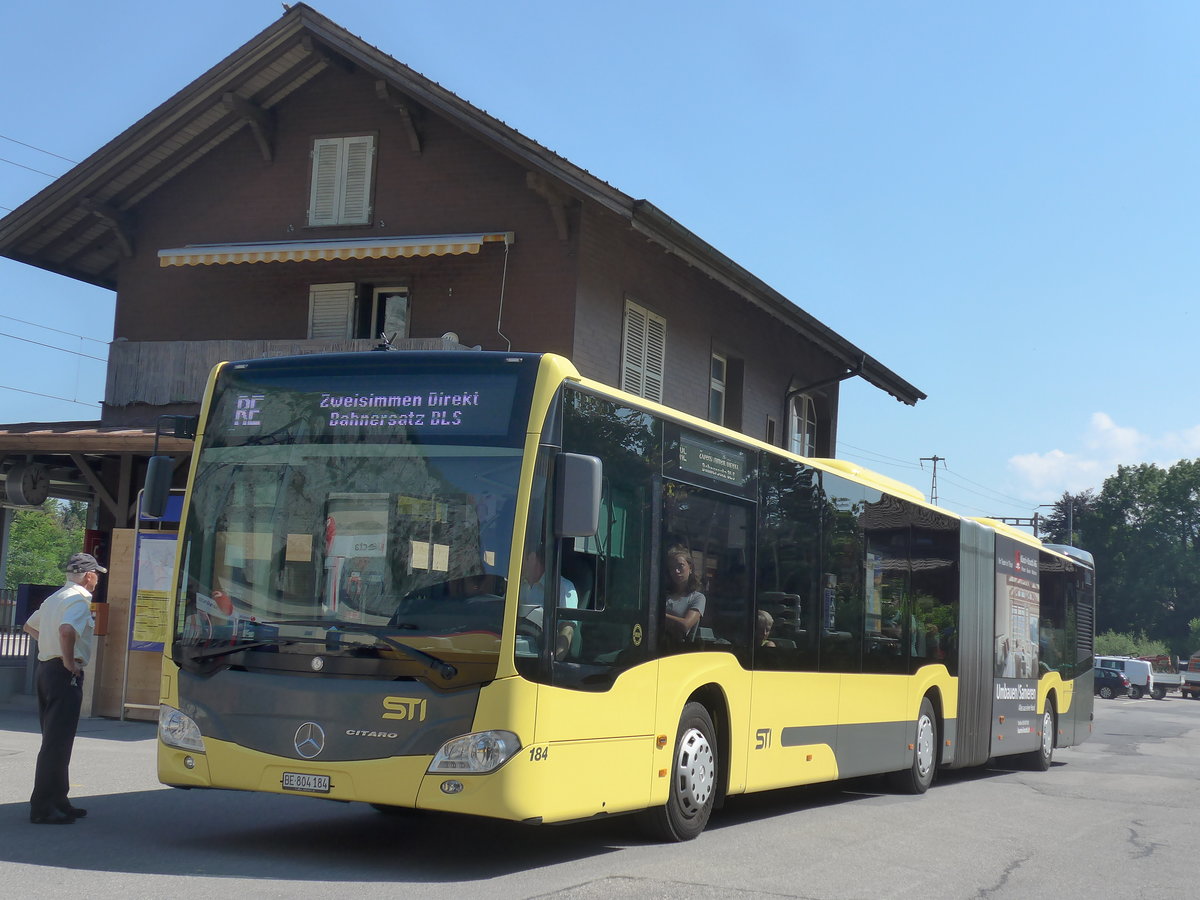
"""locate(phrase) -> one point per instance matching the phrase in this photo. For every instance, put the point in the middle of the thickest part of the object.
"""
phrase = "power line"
(5, 387)
(39, 149)
(56, 330)
(881, 457)
(30, 168)
(52, 347)
(1002, 496)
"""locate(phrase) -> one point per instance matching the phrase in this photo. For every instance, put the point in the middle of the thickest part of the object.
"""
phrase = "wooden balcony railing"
(163, 373)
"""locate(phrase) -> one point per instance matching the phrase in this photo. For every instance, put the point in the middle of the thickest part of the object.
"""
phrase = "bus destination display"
(712, 460)
(449, 404)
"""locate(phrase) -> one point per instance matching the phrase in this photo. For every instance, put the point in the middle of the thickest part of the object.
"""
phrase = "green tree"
(1071, 512)
(40, 541)
(1144, 530)
(1111, 643)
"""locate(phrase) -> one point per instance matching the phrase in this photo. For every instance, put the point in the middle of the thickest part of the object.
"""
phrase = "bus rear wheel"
(917, 778)
(694, 768)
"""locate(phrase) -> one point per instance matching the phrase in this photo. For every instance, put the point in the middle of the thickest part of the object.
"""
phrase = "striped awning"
(329, 251)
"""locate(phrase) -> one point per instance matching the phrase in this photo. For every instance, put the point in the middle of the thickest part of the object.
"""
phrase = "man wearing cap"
(63, 627)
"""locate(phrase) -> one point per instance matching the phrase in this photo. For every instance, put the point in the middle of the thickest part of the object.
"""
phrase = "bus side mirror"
(578, 480)
(158, 486)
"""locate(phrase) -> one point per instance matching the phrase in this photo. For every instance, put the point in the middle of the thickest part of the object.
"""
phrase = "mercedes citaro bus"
(437, 581)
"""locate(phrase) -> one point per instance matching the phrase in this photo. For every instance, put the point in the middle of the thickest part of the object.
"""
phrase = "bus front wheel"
(693, 774)
(917, 778)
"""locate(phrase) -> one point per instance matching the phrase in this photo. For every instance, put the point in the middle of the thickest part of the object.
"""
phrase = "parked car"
(1111, 683)
(1139, 673)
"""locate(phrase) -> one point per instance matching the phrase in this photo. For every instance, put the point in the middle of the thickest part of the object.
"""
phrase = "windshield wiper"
(443, 668)
(249, 645)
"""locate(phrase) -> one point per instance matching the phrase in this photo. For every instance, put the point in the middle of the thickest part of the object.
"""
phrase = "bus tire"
(1039, 760)
(917, 778)
(694, 773)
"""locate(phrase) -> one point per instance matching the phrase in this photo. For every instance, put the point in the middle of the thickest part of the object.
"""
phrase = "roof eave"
(658, 226)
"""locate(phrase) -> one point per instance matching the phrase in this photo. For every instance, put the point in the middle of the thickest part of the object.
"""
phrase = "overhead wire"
(56, 330)
(38, 149)
(29, 168)
(6, 387)
(52, 347)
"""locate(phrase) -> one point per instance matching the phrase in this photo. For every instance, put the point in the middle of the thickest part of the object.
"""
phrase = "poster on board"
(154, 565)
(1018, 606)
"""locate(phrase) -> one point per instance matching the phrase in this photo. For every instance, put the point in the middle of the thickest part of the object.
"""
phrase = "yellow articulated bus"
(479, 583)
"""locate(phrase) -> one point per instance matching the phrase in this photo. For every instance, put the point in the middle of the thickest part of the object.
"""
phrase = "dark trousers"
(60, 697)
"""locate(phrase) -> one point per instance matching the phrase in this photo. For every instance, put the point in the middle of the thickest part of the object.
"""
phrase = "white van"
(1139, 673)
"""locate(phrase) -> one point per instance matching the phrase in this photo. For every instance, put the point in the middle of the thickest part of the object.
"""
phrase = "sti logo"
(247, 411)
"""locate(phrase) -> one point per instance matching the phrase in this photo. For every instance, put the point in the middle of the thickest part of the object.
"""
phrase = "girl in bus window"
(684, 602)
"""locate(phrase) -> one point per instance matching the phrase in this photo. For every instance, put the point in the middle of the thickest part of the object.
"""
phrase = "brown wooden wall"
(703, 317)
(455, 185)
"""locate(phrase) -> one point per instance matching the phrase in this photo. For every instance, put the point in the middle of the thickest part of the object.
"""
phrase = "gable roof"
(80, 225)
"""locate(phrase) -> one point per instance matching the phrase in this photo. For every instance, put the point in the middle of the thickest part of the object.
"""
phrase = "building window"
(340, 190)
(718, 369)
(331, 311)
(386, 315)
(802, 426)
(643, 352)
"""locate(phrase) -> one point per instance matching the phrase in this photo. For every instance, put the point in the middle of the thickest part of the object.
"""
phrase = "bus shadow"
(269, 837)
(747, 808)
(232, 835)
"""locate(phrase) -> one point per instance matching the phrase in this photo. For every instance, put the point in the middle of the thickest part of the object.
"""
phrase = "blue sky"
(998, 201)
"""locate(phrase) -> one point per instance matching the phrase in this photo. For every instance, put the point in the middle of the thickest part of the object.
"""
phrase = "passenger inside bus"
(765, 623)
(533, 597)
(684, 603)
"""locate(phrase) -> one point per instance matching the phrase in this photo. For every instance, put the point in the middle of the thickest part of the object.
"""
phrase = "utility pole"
(935, 459)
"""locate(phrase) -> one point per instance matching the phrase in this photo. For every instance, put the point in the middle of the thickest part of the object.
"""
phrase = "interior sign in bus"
(470, 582)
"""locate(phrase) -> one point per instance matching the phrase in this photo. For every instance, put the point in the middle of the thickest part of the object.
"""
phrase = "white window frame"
(717, 385)
(802, 425)
(331, 311)
(340, 186)
(643, 352)
(376, 298)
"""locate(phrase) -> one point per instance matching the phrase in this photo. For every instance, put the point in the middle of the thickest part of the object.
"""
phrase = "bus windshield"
(378, 549)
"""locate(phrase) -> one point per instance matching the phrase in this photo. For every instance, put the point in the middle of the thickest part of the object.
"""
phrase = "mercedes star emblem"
(310, 739)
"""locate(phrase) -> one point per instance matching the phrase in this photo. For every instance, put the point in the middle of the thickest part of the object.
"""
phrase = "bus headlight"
(476, 754)
(177, 730)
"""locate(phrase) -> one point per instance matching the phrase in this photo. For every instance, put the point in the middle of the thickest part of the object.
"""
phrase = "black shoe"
(55, 818)
(75, 812)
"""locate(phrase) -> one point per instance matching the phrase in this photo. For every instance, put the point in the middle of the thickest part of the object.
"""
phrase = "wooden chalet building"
(309, 192)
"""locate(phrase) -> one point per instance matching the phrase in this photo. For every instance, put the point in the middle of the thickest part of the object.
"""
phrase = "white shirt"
(69, 605)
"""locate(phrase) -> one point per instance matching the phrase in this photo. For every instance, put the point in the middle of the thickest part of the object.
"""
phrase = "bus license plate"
(313, 784)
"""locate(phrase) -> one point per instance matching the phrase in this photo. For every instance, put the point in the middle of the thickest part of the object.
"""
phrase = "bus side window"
(714, 534)
(843, 594)
(788, 591)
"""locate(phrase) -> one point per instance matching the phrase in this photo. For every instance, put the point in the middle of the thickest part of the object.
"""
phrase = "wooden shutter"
(323, 197)
(356, 193)
(643, 352)
(330, 311)
(342, 170)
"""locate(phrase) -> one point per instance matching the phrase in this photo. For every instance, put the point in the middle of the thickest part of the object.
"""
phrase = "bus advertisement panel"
(1017, 618)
